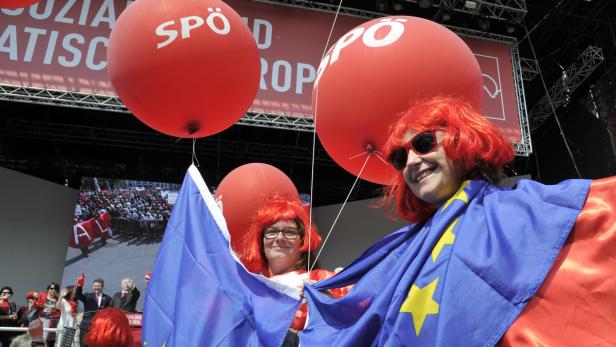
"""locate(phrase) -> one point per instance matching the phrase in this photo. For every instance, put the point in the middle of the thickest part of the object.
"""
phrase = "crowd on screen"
(82, 319)
(134, 212)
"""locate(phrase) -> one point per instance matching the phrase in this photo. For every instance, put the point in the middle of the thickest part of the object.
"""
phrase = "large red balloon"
(13, 4)
(374, 73)
(244, 190)
(187, 68)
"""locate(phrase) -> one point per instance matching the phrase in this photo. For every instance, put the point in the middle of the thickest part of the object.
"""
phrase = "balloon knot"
(370, 148)
(192, 127)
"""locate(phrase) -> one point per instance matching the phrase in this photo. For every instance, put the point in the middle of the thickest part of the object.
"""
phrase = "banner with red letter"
(61, 45)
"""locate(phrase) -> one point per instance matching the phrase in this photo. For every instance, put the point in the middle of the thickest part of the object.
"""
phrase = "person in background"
(34, 337)
(68, 308)
(126, 299)
(49, 314)
(29, 312)
(8, 315)
(92, 302)
(109, 328)
(148, 277)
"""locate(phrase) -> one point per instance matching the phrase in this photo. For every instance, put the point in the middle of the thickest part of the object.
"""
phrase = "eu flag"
(200, 295)
(459, 279)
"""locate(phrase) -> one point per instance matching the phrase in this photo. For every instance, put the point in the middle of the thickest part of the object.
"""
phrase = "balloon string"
(194, 153)
(314, 137)
(340, 212)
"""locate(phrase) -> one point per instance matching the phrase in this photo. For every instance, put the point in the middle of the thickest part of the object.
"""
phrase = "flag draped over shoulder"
(200, 295)
(459, 279)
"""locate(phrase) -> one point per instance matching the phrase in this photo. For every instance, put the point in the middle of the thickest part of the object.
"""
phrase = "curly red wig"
(109, 328)
(274, 209)
(469, 138)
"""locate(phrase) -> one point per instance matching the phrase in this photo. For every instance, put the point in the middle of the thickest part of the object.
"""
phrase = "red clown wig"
(109, 328)
(274, 209)
(469, 138)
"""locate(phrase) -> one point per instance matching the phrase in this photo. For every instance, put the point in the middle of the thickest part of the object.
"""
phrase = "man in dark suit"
(92, 302)
(126, 300)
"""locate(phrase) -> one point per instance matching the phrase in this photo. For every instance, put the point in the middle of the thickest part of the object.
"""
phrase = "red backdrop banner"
(62, 45)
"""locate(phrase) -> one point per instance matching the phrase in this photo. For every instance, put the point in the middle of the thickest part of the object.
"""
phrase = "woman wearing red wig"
(110, 328)
(448, 157)
(277, 246)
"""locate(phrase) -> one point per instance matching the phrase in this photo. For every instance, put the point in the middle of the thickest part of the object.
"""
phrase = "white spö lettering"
(301, 78)
(85, 9)
(264, 68)
(396, 29)
(266, 42)
(286, 81)
(46, 11)
(344, 41)
(34, 34)
(66, 43)
(226, 26)
(187, 27)
(9, 36)
(171, 34)
(92, 53)
(106, 13)
(15, 12)
(51, 47)
(61, 16)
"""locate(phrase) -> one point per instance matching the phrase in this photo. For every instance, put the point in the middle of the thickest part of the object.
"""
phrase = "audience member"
(8, 315)
(126, 299)
(109, 328)
(92, 302)
(49, 314)
(68, 308)
(29, 312)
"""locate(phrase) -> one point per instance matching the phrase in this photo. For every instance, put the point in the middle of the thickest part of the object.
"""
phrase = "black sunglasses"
(422, 143)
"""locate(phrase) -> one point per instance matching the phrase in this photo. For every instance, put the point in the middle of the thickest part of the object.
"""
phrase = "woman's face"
(432, 177)
(284, 251)
(5, 294)
(52, 290)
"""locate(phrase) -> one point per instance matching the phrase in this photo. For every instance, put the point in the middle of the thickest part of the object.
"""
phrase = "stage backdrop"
(61, 45)
(34, 218)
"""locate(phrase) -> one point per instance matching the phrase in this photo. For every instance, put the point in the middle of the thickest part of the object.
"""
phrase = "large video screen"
(117, 229)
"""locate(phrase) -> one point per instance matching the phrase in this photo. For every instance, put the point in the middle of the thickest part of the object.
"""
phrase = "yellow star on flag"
(459, 195)
(419, 304)
(447, 238)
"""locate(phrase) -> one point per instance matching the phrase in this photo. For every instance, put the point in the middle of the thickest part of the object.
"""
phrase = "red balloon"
(244, 190)
(13, 4)
(377, 71)
(186, 68)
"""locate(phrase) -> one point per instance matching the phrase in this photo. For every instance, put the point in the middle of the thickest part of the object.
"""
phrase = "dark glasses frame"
(422, 143)
(287, 233)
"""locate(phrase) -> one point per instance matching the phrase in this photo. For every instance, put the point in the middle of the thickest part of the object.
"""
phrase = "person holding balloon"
(277, 246)
(448, 159)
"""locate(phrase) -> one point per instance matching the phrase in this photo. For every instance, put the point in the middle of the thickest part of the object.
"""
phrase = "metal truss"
(61, 98)
(523, 148)
(558, 95)
(530, 68)
(151, 140)
(113, 103)
(267, 120)
(507, 10)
